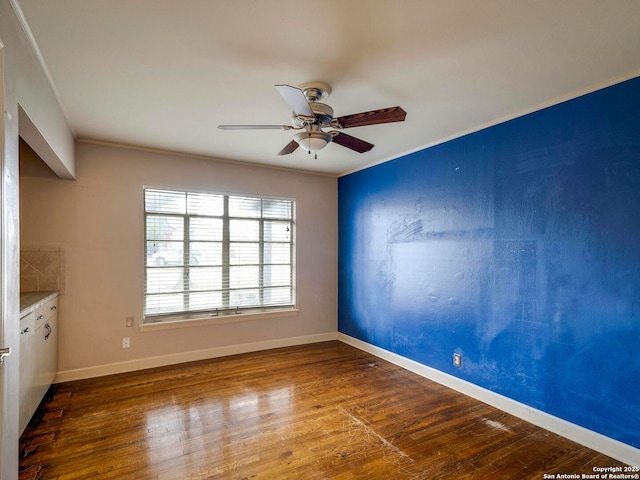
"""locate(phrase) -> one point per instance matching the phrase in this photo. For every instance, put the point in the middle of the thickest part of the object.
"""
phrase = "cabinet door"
(51, 341)
(40, 384)
(47, 350)
(27, 369)
(51, 349)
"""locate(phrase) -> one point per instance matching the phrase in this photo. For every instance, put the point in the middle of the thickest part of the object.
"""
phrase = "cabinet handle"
(53, 307)
(40, 317)
(25, 330)
(48, 327)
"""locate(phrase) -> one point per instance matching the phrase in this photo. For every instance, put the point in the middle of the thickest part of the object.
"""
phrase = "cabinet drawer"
(27, 325)
(51, 308)
(45, 312)
(40, 315)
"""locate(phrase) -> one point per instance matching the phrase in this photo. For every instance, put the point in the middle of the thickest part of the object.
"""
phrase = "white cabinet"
(38, 357)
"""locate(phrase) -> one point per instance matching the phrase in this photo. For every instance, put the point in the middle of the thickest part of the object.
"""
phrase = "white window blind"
(216, 253)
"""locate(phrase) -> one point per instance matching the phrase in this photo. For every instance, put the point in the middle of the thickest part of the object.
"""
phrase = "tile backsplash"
(42, 269)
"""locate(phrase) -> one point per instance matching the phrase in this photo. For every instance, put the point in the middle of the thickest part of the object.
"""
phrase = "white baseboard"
(176, 358)
(596, 441)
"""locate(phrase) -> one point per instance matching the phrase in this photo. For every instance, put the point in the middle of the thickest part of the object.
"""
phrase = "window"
(216, 254)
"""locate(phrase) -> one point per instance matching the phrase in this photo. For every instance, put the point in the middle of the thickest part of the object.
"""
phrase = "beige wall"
(98, 221)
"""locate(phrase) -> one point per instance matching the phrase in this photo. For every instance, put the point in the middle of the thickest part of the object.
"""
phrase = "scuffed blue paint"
(517, 246)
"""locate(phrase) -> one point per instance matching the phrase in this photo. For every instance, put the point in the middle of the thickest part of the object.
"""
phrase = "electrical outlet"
(130, 321)
(126, 342)
(457, 360)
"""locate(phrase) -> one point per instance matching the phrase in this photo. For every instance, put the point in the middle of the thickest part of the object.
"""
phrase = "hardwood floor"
(321, 411)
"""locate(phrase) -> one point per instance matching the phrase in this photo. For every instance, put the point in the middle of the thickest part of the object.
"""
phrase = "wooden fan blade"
(289, 148)
(373, 117)
(254, 127)
(353, 143)
(296, 100)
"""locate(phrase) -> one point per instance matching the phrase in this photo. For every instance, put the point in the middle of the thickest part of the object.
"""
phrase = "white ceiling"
(164, 73)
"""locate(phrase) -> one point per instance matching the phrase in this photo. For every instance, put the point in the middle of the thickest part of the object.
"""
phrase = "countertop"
(30, 301)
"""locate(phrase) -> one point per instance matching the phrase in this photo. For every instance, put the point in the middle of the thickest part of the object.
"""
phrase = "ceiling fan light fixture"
(313, 141)
(311, 116)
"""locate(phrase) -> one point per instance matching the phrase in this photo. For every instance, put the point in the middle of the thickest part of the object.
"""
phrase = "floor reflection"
(181, 438)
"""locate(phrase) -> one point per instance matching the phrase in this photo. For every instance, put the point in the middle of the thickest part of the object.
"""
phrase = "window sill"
(204, 321)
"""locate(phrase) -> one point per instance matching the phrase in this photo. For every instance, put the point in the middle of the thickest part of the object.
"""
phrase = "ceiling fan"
(311, 117)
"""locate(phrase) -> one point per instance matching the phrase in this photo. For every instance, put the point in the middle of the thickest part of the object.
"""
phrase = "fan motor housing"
(322, 111)
(315, 91)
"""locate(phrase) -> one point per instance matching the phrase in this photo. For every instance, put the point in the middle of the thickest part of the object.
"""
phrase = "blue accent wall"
(517, 246)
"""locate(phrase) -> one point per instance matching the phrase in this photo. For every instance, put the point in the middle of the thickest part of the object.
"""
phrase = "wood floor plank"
(322, 411)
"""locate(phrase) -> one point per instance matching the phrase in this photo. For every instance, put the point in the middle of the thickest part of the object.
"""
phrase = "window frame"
(227, 309)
